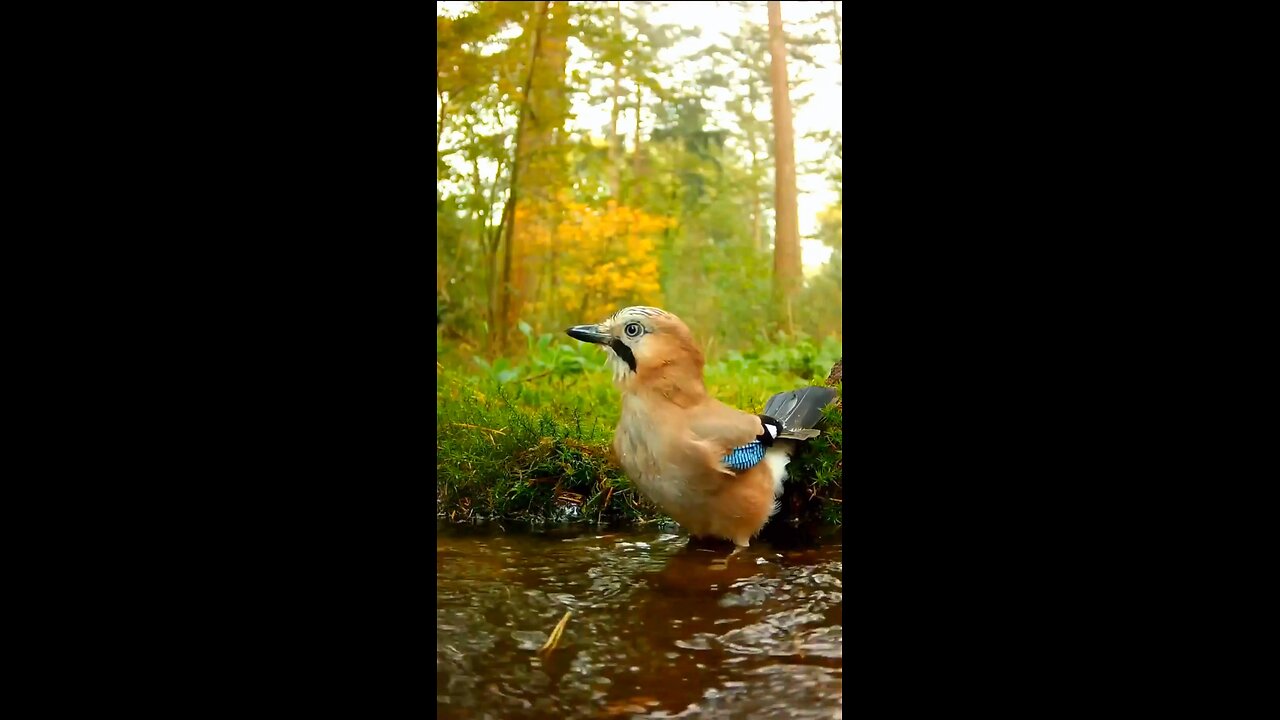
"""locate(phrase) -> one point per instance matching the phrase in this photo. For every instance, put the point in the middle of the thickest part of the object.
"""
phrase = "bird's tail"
(799, 410)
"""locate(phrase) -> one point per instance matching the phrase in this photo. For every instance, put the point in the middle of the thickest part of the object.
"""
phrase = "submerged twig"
(555, 634)
(605, 505)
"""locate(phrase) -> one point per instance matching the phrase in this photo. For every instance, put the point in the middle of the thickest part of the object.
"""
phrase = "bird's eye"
(633, 329)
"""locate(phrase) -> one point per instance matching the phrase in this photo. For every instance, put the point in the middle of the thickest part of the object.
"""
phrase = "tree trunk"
(440, 120)
(491, 236)
(615, 141)
(756, 221)
(440, 117)
(786, 242)
(635, 163)
(756, 224)
(545, 171)
(478, 224)
(506, 286)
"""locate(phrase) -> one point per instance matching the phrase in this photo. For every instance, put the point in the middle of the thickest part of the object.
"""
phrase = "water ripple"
(656, 629)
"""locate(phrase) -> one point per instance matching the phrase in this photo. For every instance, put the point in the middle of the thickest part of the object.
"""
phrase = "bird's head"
(645, 344)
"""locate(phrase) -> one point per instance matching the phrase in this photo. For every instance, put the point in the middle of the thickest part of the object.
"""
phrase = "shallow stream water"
(656, 628)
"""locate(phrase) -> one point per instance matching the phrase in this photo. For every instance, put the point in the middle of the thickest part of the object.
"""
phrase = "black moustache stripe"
(623, 352)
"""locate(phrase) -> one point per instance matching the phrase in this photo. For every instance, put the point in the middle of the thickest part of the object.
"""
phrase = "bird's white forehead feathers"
(637, 311)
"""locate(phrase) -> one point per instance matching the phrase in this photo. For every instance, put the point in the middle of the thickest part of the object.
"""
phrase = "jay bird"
(716, 470)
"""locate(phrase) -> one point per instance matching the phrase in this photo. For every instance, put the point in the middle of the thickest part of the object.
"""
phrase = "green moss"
(498, 458)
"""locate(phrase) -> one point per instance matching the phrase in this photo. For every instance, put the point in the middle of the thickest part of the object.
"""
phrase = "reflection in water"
(658, 629)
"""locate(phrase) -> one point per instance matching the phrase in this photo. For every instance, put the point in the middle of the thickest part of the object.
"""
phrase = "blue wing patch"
(744, 457)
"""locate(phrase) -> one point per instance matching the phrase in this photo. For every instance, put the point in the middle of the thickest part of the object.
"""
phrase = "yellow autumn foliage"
(605, 259)
(579, 263)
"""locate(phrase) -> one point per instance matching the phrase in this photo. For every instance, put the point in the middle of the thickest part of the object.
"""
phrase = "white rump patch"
(777, 458)
(773, 431)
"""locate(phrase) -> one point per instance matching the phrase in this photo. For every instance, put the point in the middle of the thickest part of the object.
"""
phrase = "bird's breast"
(649, 451)
(636, 445)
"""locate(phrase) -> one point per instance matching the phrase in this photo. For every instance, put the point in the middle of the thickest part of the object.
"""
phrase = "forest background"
(595, 155)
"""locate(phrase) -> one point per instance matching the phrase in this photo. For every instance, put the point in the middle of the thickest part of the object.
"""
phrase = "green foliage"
(797, 356)
(559, 360)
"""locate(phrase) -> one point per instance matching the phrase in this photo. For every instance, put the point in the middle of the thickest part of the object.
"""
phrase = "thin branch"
(835, 17)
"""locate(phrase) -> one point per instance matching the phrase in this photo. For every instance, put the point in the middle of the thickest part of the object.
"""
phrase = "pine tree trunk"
(615, 141)
(786, 244)
(756, 224)
(545, 170)
(635, 164)
(440, 121)
(506, 287)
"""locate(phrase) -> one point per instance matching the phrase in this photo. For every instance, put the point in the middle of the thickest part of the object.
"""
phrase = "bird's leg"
(723, 563)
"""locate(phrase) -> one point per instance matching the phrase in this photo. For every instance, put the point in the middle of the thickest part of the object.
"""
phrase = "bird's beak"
(589, 333)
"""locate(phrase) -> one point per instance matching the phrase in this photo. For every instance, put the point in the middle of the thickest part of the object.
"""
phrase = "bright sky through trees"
(822, 111)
